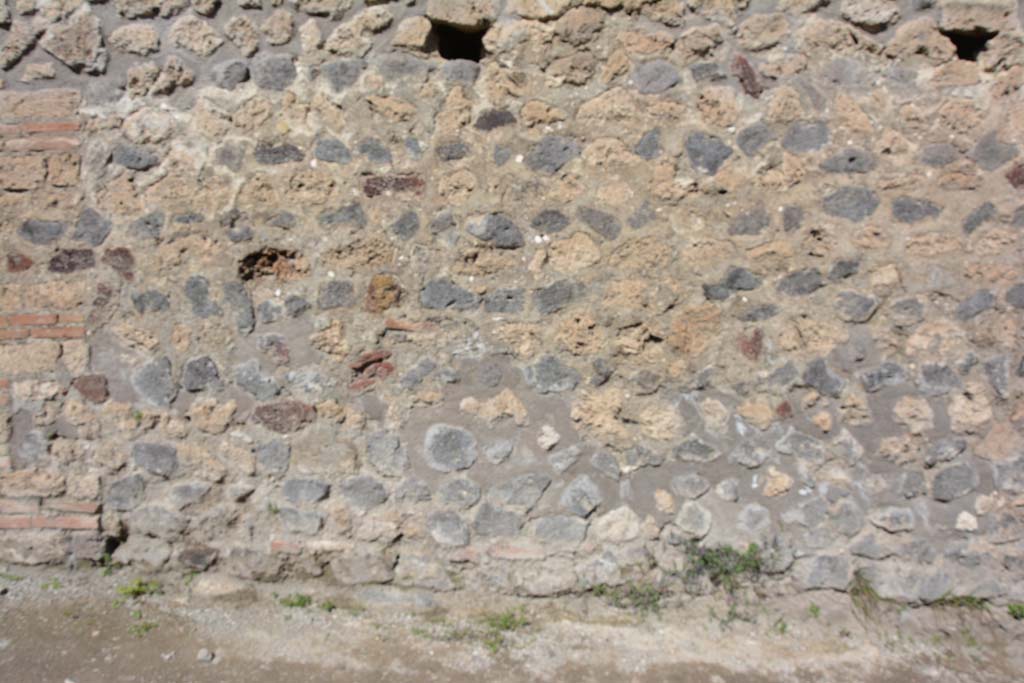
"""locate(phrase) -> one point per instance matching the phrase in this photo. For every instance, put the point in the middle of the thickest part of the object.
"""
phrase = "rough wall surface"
(289, 291)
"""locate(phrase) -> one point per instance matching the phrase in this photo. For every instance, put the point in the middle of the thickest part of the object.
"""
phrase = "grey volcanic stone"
(385, 453)
(91, 228)
(492, 521)
(564, 458)
(792, 218)
(237, 297)
(230, 74)
(581, 497)
(156, 458)
(447, 448)
(157, 522)
(549, 221)
(273, 155)
(154, 383)
(249, 378)
(851, 202)
(752, 138)
(363, 491)
(850, 160)
(126, 493)
(274, 456)
(990, 153)
(554, 297)
(343, 73)
(448, 528)
(801, 283)
(374, 150)
(601, 222)
(197, 291)
(886, 375)
(695, 450)
(1015, 295)
(706, 152)
(975, 304)
(134, 157)
(937, 380)
(498, 229)
(953, 482)
(690, 486)
(549, 375)
(407, 225)
(750, 223)
(893, 519)
(913, 210)
(350, 214)
(41, 232)
(441, 294)
(303, 522)
(818, 376)
(200, 373)
(452, 150)
(855, 308)
(693, 519)
(504, 301)
(305, 490)
(336, 294)
(829, 572)
(649, 146)
(490, 119)
(805, 136)
(944, 450)
(552, 153)
(520, 493)
(149, 225)
(941, 154)
(460, 493)
(981, 215)
(655, 76)
(274, 71)
(331, 150)
(562, 530)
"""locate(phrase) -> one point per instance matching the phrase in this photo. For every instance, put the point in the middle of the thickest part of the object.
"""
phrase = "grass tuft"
(724, 566)
(138, 588)
(296, 600)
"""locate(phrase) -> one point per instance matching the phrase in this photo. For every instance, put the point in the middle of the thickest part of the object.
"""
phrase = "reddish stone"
(1016, 176)
(751, 346)
(379, 370)
(383, 293)
(17, 263)
(362, 383)
(784, 410)
(747, 76)
(92, 387)
(368, 359)
(72, 260)
(284, 417)
(121, 260)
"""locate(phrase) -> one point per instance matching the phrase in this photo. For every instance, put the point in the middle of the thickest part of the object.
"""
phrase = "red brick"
(4, 383)
(58, 332)
(73, 318)
(41, 144)
(23, 506)
(64, 505)
(35, 107)
(25, 319)
(76, 522)
(18, 333)
(20, 522)
(281, 546)
(42, 127)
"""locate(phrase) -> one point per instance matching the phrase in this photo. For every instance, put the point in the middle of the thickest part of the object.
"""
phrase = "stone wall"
(525, 296)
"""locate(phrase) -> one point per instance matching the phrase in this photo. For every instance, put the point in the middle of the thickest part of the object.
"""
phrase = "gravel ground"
(60, 626)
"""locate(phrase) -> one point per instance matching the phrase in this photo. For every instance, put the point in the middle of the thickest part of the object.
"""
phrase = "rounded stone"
(447, 448)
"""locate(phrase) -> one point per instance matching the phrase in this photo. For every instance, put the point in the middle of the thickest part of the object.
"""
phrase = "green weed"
(724, 566)
(52, 585)
(961, 602)
(141, 629)
(296, 600)
(1016, 610)
(138, 588)
(814, 611)
(865, 598)
(641, 597)
(11, 577)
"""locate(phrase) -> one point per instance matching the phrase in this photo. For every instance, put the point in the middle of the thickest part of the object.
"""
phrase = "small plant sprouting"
(641, 597)
(52, 585)
(273, 509)
(1016, 610)
(327, 606)
(138, 588)
(501, 623)
(296, 600)
(11, 577)
(780, 626)
(961, 602)
(142, 628)
(863, 595)
(724, 566)
(814, 611)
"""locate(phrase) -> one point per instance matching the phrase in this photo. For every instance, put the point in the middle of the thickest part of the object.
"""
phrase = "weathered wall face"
(287, 292)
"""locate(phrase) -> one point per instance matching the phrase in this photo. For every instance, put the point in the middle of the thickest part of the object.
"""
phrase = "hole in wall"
(970, 44)
(269, 261)
(453, 43)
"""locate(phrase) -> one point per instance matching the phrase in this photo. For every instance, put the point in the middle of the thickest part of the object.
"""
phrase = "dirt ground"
(78, 626)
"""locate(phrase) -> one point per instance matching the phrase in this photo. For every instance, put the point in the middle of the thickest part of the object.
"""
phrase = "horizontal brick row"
(75, 332)
(32, 506)
(39, 128)
(68, 522)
